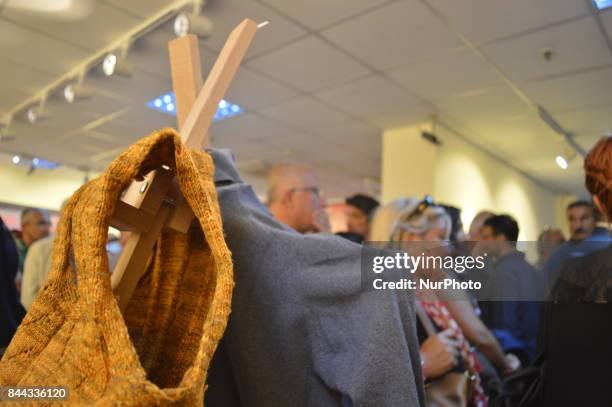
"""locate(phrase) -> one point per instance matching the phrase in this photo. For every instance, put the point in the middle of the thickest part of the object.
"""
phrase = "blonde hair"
(422, 222)
(386, 216)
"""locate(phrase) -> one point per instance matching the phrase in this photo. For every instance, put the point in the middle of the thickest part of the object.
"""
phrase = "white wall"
(462, 175)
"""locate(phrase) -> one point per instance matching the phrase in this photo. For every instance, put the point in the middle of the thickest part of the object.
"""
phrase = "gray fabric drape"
(301, 331)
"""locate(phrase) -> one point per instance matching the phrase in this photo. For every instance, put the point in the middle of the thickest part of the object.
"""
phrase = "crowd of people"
(486, 341)
(489, 339)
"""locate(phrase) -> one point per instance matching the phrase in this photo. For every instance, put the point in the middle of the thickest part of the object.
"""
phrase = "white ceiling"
(324, 78)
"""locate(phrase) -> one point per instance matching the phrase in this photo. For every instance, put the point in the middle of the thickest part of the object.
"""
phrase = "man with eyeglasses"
(35, 225)
(294, 198)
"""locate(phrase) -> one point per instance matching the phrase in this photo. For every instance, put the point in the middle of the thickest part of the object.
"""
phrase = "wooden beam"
(187, 83)
(186, 74)
(131, 219)
(194, 131)
(194, 128)
(133, 259)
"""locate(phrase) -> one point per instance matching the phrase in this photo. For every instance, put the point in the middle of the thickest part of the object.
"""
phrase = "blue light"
(603, 4)
(46, 164)
(166, 103)
(35, 162)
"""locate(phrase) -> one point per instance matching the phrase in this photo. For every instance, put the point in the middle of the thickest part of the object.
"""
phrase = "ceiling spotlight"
(562, 162)
(37, 114)
(115, 65)
(16, 159)
(75, 91)
(190, 23)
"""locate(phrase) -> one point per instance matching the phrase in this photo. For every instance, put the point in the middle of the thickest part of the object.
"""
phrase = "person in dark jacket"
(513, 315)
(11, 311)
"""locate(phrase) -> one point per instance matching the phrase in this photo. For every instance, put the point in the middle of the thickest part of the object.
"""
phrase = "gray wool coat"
(302, 332)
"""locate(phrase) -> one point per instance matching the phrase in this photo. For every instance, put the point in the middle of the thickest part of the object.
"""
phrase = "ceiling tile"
(574, 91)
(255, 137)
(305, 113)
(400, 117)
(485, 20)
(150, 53)
(345, 132)
(308, 64)
(37, 51)
(397, 34)
(577, 44)
(10, 98)
(367, 97)
(447, 75)
(316, 14)
(252, 90)
(227, 14)
(90, 32)
(135, 124)
(17, 76)
(355, 136)
(135, 90)
(141, 8)
(492, 104)
(596, 121)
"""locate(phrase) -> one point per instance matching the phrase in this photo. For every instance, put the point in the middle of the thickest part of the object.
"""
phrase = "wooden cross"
(149, 206)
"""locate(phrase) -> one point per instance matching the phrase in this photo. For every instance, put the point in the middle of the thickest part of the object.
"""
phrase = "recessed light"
(602, 4)
(166, 103)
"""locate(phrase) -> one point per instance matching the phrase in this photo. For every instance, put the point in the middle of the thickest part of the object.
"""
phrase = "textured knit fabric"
(302, 332)
(75, 336)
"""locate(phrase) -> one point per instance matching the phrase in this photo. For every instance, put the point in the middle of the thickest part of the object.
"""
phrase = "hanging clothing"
(11, 311)
(302, 332)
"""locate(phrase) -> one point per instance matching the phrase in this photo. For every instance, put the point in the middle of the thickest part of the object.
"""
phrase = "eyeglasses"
(427, 202)
(313, 190)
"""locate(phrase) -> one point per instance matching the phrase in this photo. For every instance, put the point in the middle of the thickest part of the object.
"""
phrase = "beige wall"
(460, 174)
(41, 189)
(407, 163)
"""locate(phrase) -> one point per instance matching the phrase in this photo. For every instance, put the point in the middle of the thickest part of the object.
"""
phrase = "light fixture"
(37, 114)
(116, 65)
(191, 23)
(562, 162)
(33, 163)
(75, 91)
(166, 103)
(602, 4)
